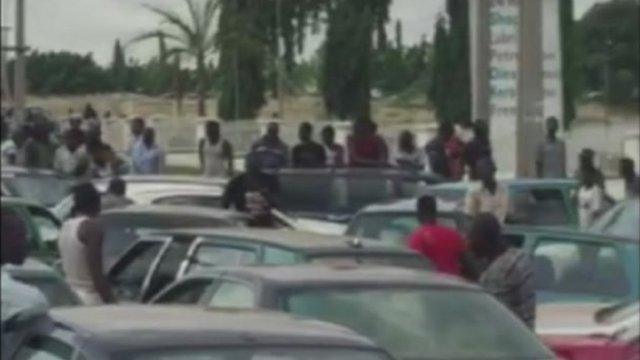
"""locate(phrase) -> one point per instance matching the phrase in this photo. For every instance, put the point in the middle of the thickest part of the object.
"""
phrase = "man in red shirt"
(444, 247)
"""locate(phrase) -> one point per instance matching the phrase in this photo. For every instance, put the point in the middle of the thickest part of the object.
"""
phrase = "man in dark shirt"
(308, 153)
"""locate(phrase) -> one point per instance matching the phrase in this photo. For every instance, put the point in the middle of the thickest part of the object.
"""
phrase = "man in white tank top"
(216, 154)
(80, 246)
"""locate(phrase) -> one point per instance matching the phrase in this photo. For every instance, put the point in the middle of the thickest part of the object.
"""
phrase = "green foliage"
(610, 39)
(119, 67)
(346, 70)
(450, 89)
(396, 69)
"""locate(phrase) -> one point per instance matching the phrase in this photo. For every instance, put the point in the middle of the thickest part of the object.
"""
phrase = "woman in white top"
(590, 200)
(490, 196)
(80, 246)
(216, 154)
(408, 156)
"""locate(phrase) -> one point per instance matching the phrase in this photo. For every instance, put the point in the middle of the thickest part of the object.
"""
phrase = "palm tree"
(193, 36)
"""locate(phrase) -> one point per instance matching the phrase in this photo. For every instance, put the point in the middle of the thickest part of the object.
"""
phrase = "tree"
(399, 44)
(119, 67)
(438, 90)
(194, 36)
(346, 69)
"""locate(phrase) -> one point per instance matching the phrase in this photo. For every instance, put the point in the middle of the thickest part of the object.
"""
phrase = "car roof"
(408, 205)
(311, 276)
(17, 170)
(574, 234)
(523, 182)
(298, 240)
(359, 172)
(152, 327)
(12, 200)
(174, 179)
(31, 267)
(177, 210)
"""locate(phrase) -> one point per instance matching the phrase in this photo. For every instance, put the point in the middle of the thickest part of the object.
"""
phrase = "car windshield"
(252, 353)
(335, 195)
(391, 228)
(423, 323)
(45, 190)
(585, 272)
(622, 221)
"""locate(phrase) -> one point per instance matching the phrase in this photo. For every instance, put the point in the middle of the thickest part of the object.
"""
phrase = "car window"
(44, 348)
(626, 223)
(47, 225)
(233, 295)
(278, 256)
(191, 200)
(124, 228)
(54, 289)
(515, 240)
(130, 273)
(168, 266)
(538, 207)
(44, 190)
(579, 271)
(187, 292)
(212, 255)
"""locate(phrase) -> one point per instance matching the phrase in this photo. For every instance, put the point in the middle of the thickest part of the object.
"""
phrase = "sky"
(91, 26)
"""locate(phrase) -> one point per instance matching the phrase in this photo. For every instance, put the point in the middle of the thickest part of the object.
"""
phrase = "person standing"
(587, 167)
(334, 151)
(71, 158)
(551, 154)
(104, 162)
(590, 200)
(308, 153)
(443, 246)
(252, 192)
(39, 150)
(490, 196)
(631, 180)
(269, 152)
(116, 195)
(454, 149)
(478, 148)
(436, 150)
(137, 128)
(408, 156)
(509, 276)
(151, 157)
(81, 243)
(17, 298)
(366, 148)
(9, 148)
(215, 153)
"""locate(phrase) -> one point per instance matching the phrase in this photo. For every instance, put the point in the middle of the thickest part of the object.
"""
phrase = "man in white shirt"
(490, 197)
(71, 158)
(18, 299)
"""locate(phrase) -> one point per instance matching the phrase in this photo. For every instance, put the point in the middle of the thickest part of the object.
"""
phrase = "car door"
(130, 273)
(210, 253)
(168, 264)
(231, 293)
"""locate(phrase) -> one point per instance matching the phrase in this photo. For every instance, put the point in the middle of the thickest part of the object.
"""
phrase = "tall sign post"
(516, 76)
(19, 79)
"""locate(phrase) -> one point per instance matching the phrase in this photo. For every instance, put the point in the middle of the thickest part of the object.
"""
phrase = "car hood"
(320, 227)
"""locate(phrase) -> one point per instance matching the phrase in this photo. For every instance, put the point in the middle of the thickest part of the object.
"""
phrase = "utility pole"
(279, 65)
(6, 91)
(19, 86)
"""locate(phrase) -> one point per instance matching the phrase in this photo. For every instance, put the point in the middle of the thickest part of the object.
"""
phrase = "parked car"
(412, 314)
(591, 331)
(158, 259)
(145, 333)
(334, 195)
(537, 202)
(44, 187)
(160, 190)
(393, 222)
(42, 226)
(51, 284)
(621, 220)
(124, 226)
(574, 266)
